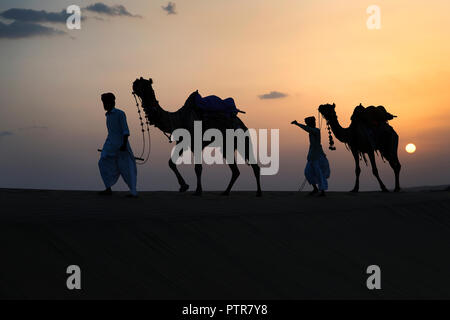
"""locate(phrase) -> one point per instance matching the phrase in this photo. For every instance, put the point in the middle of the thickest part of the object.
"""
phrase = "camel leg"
(375, 171)
(396, 166)
(357, 170)
(183, 185)
(257, 172)
(394, 163)
(234, 175)
(198, 173)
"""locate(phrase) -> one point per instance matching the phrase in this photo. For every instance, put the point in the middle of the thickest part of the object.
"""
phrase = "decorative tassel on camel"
(330, 138)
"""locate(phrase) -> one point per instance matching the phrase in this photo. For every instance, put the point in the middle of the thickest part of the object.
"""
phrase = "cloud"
(272, 95)
(34, 127)
(117, 10)
(5, 134)
(19, 29)
(27, 23)
(34, 16)
(170, 8)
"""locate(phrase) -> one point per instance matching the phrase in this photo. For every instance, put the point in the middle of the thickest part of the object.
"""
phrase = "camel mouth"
(138, 87)
(322, 109)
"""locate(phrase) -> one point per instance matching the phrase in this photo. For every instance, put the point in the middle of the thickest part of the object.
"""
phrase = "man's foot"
(315, 191)
(106, 192)
(322, 193)
(133, 196)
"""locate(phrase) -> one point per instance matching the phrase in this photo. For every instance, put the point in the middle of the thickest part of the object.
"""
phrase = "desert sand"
(166, 245)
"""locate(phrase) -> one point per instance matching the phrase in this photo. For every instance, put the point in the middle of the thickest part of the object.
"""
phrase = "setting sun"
(410, 148)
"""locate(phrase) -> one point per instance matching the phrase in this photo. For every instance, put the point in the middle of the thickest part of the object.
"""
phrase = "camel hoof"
(259, 194)
(225, 193)
(354, 190)
(198, 193)
(385, 190)
(183, 188)
(397, 190)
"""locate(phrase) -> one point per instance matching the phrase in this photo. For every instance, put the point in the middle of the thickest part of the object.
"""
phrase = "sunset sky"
(312, 51)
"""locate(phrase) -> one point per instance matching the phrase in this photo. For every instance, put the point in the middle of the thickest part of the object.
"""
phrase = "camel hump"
(191, 100)
(372, 115)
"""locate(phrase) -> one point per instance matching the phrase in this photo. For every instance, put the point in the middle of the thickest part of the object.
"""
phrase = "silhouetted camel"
(184, 118)
(367, 136)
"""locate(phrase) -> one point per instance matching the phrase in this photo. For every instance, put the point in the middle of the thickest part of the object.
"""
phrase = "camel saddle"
(372, 116)
(212, 105)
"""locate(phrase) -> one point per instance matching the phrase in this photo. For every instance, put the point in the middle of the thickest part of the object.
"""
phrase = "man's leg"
(106, 192)
(128, 171)
(322, 181)
(325, 167)
(109, 172)
(315, 190)
(311, 177)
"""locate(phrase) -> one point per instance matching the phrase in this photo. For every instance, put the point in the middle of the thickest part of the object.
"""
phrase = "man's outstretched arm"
(306, 128)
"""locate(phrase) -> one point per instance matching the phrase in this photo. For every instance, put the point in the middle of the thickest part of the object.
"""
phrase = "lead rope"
(142, 126)
(141, 160)
(302, 186)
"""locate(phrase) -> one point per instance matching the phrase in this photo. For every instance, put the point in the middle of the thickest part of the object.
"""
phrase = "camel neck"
(339, 132)
(169, 121)
(164, 120)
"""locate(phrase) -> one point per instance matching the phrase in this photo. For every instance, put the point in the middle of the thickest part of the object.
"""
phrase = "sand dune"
(175, 246)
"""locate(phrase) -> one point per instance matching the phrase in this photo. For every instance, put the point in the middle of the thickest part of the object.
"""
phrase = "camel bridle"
(145, 127)
(330, 135)
(143, 130)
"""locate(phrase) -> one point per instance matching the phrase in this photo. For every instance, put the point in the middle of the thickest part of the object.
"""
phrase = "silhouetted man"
(117, 158)
(317, 169)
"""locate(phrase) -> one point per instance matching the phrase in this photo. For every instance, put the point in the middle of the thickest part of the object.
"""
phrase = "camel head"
(327, 110)
(144, 90)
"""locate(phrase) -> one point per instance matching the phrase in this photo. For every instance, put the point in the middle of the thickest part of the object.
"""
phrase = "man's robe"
(317, 169)
(113, 162)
